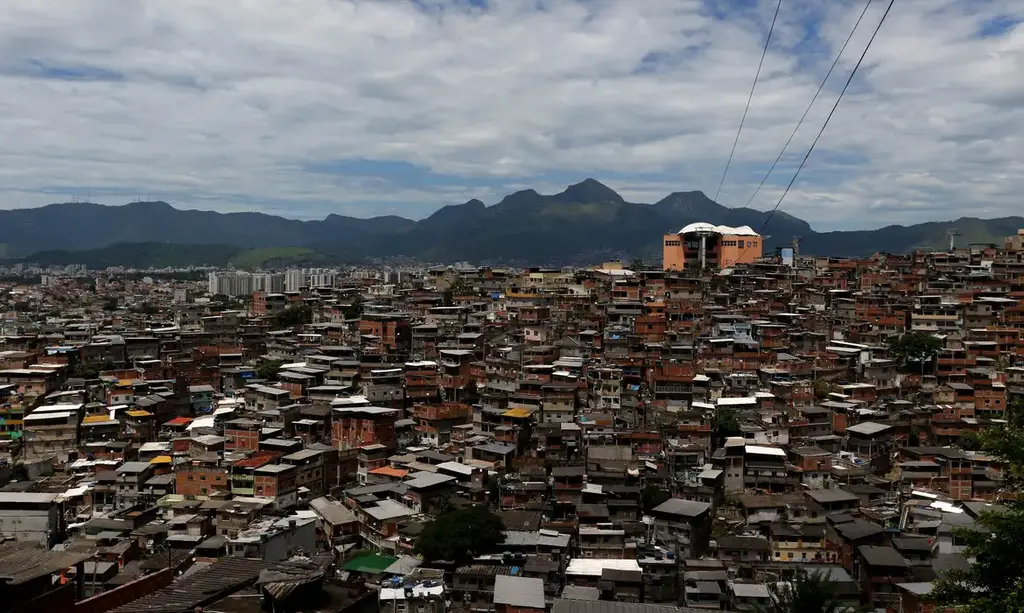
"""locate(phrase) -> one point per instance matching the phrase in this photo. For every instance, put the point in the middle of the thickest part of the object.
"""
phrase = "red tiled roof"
(260, 458)
(388, 471)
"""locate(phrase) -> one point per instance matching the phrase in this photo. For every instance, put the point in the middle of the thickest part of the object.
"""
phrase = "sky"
(303, 108)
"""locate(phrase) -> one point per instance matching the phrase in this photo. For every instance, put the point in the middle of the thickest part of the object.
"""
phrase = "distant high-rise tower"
(294, 279)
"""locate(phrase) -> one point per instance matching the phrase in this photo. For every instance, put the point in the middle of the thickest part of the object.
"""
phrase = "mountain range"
(586, 223)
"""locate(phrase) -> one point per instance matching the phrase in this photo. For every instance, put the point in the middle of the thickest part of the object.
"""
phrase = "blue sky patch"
(998, 26)
(51, 70)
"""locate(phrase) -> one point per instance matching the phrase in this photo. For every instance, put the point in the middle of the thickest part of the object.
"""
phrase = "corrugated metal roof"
(519, 591)
(20, 563)
(222, 577)
(26, 498)
(595, 566)
(566, 605)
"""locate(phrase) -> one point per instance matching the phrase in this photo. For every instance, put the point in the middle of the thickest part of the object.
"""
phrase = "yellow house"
(801, 543)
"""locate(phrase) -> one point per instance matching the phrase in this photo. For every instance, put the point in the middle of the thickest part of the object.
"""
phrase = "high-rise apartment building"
(294, 279)
(271, 283)
(231, 283)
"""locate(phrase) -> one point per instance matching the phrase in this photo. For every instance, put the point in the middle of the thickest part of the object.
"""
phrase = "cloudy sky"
(308, 107)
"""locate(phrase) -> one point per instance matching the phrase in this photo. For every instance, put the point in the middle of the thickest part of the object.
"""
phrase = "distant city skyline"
(303, 109)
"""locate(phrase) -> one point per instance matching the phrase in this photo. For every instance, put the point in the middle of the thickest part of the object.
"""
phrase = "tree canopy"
(355, 309)
(724, 424)
(461, 534)
(995, 580)
(915, 346)
(294, 316)
(808, 592)
(146, 308)
(269, 369)
(822, 389)
(91, 369)
(653, 496)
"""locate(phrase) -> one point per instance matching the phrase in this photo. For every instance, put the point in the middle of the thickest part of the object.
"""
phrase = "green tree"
(91, 369)
(822, 389)
(460, 286)
(355, 309)
(494, 488)
(459, 535)
(723, 425)
(146, 309)
(994, 583)
(808, 592)
(638, 264)
(294, 316)
(653, 496)
(918, 347)
(110, 304)
(269, 369)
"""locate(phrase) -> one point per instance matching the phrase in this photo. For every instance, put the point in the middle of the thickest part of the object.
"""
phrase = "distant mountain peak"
(452, 213)
(151, 205)
(473, 205)
(694, 200)
(588, 190)
(523, 196)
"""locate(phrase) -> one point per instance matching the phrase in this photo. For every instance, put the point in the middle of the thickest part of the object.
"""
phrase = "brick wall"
(193, 480)
(265, 486)
(248, 440)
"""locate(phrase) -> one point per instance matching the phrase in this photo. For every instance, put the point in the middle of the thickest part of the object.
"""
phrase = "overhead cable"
(810, 104)
(750, 97)
(827, 119)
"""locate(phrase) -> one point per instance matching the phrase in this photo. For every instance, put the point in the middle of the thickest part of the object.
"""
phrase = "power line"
(813, 100)
(749, 98)
(827, 119)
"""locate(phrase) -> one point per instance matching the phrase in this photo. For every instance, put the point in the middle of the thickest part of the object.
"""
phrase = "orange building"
(703, 245)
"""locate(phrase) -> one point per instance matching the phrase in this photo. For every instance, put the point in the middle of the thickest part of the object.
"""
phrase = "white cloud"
(270, 104)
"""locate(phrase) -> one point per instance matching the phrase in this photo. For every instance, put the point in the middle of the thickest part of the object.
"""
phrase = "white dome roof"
(703, 226)
(698, 226)
(740, 231)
